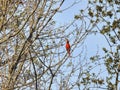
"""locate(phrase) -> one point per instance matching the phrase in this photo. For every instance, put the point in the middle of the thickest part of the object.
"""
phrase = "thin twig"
(34, 71)
(116, 35)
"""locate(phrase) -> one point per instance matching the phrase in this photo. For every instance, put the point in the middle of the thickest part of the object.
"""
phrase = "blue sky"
(93, 43)
(68, 15)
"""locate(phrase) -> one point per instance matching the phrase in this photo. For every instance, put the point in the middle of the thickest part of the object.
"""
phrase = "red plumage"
(68, 46)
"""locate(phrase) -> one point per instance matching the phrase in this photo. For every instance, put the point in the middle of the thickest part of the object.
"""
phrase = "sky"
(94, 43)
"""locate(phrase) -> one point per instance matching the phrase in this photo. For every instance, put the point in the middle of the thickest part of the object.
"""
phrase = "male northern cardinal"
(68, 46)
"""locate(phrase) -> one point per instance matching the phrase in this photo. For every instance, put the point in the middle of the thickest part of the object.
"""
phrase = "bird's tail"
(69, 53)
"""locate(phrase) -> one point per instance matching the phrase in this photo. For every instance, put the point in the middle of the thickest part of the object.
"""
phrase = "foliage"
(105, 17)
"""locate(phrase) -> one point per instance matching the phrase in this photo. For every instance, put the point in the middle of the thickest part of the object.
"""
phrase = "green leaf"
(90, 13)
(112, 39)
(99, 8)
(105, 50)
(76, 16)
(110, 14)
(118, 47)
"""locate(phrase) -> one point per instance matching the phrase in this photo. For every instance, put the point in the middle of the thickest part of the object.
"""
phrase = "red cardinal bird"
(68, 47)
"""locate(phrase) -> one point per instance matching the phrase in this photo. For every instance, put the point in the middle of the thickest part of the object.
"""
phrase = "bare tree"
(32, 53)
